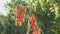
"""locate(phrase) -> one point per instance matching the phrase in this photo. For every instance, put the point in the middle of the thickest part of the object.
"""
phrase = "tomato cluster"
(18, 10)
(19, 20)
(34, 24)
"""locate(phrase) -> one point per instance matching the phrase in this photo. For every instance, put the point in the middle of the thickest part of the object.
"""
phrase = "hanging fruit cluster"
(19, 20)
(35, 25)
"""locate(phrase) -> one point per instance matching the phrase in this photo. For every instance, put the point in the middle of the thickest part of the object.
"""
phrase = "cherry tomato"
(23, 15)
(24, 10)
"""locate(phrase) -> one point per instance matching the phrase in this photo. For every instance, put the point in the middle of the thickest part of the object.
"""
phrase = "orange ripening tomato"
(24, 10)
(19, 23)
(23, 15)
(32, 19)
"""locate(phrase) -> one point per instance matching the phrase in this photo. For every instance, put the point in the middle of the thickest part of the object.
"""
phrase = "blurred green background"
(47, 13)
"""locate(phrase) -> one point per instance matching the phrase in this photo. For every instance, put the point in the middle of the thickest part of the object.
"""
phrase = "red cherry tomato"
(23, 15)
(32, 19)
(18, 7)
(35, 26)
(24, 10)
(17, 17)
(18, 10)
(36, 32)
(22, 20)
